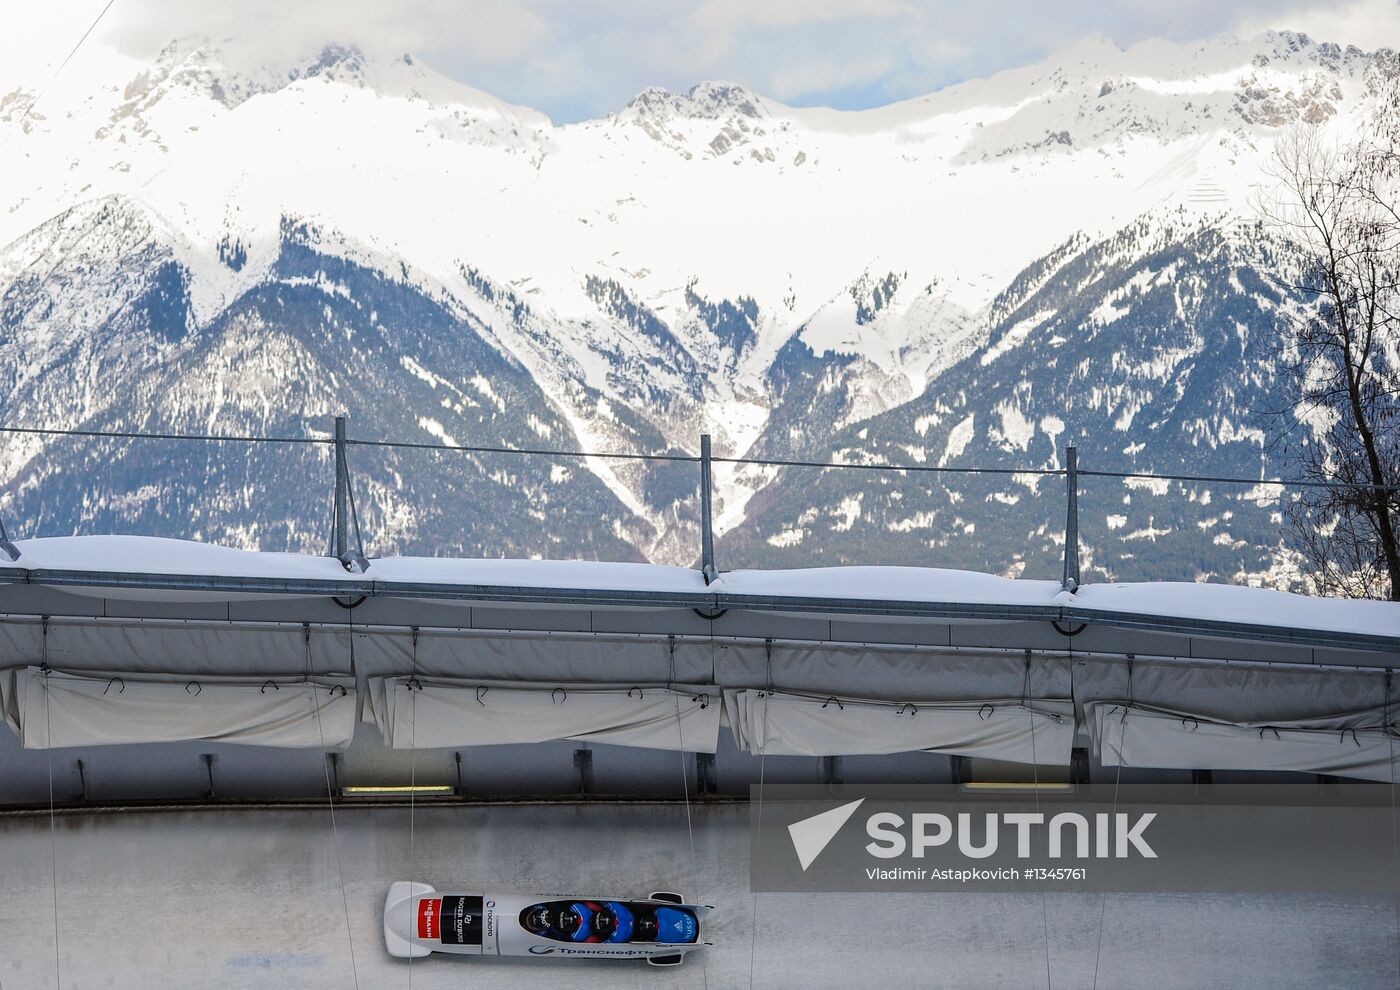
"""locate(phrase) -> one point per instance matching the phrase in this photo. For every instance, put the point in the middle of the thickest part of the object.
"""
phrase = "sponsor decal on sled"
(430, 917)
(461, 923)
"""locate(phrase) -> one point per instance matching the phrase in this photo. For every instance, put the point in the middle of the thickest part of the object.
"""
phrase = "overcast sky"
(581, 58)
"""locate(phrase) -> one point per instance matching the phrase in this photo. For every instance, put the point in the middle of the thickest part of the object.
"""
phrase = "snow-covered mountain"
(200, 243)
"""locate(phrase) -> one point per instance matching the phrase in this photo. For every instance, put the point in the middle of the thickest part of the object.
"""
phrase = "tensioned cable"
(330, 800)
(685, 786)
(539, 451)
(354, 515)
(135, 435)
(412, 780)
(66, 59)
(692, 459)
(1394, 834)
(1113, 819)
(1035, 780)
(53, 836)
(762, 759)
(1212, 479)
(912, 468)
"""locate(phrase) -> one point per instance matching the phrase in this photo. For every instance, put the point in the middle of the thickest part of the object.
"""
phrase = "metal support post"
(583, 763)
(342, 492)
(1071, 578)
(352, 560)
(7, 549)
(706, 782)
(1079, 765)
(707, 531)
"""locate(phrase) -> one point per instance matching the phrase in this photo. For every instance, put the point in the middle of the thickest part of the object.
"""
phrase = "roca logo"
(1068, 834)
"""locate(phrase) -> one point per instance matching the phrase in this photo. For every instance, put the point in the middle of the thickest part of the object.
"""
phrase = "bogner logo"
(1065, 835)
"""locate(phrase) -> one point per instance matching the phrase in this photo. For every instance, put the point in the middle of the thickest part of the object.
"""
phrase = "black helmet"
(568, 921)
(537, 918)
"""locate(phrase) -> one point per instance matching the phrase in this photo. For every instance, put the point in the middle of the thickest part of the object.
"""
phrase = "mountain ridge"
(714, 261)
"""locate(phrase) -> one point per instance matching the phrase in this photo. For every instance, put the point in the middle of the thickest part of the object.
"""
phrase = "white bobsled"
(419, 920)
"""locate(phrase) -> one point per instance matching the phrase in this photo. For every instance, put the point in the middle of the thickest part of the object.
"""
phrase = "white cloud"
(1364, 23)
(735, 15)
(575, 59)
(794, 79)
(485, 31)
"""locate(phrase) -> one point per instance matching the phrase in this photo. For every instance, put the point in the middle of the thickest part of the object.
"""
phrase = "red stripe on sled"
(429, 917)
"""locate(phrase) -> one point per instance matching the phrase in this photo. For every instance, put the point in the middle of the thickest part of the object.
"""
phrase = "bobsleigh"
(419, 920)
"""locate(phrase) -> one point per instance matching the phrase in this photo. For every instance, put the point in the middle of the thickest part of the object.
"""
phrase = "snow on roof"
(1252, 606)
(148, 555)
(126, 560)
(897, 584)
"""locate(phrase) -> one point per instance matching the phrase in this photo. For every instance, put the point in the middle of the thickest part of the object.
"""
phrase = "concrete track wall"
(232, 899)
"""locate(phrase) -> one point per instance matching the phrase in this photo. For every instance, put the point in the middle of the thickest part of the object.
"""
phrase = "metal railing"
(345, 518)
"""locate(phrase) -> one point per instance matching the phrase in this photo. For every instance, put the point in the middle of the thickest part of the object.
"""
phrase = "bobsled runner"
(419, 920)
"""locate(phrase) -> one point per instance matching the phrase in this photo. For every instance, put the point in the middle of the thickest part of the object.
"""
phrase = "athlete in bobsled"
(611, 922)
(419, 920)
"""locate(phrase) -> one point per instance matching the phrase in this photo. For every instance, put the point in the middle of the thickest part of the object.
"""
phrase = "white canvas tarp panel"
(252, 648)
(890, 674)
(49, 708)
(555, 658)
(428, 713)
(1040, 731)
(1230, 692)
(1356, 744)
(168, 647)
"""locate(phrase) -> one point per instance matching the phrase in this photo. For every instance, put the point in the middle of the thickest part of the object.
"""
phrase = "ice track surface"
(224, 899)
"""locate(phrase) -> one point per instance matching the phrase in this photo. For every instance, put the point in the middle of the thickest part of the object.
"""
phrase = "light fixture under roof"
(399, 791)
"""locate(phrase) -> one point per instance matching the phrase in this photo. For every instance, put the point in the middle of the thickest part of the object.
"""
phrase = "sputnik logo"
(811, 835)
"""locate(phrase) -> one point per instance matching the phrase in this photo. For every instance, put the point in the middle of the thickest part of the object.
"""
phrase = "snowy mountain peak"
(228, 75)
(712, 119)
(219, 71)
(339, 58)
(1290, 44)
(711, 100)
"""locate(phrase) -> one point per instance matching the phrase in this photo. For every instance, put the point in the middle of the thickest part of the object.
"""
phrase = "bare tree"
(1342, 355)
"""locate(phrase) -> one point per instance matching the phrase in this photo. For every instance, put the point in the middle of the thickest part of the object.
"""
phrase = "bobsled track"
(195, 738)
(225, 899)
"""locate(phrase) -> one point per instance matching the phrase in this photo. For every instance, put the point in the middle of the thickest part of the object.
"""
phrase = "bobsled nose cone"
(397, 918)
(399, 908)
